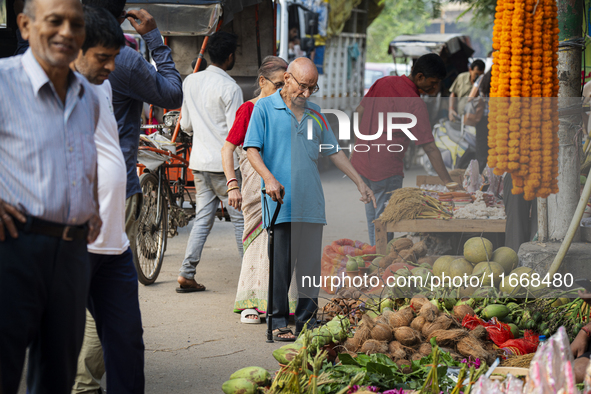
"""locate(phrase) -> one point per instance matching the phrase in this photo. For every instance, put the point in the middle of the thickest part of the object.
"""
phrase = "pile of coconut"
(405, 335)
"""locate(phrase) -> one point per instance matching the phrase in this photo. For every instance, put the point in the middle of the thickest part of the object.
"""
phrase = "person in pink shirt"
(383, 169)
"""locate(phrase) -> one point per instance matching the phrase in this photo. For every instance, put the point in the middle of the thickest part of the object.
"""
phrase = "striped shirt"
(47, 149)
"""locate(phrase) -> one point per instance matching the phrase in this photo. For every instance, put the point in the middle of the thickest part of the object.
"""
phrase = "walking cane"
(270, 291)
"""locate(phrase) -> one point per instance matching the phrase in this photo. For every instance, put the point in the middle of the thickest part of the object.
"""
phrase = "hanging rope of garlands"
(523, 138)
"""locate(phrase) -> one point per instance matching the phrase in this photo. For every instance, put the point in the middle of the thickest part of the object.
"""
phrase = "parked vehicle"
(375, 71)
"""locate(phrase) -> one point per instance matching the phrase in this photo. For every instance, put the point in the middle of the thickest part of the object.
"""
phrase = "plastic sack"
(494, 182)
(486, 386)
(472, 179)
(498, 332)
(334, 259)
(527, 344)
(551, 370)
(512, 385)
(587, 381)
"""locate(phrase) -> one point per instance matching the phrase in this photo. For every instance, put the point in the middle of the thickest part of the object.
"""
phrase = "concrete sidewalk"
(195, 341)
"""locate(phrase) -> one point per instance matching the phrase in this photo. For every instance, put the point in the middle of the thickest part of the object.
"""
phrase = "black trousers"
(522, 217)
(113, 302)
(43, 292)
(482, 143)
(296, 246)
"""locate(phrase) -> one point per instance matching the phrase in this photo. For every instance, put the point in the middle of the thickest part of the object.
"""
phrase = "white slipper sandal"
(246, 320)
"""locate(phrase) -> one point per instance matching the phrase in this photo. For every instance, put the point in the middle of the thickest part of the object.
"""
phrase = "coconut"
(478, 249)
(425, 349)
(407, 255)
(517, 274)
(506, 257)
(429, 312)
(441, 265)
(485, 269)
(419, 249)
(429, 328)
(459, 267)
(445, 320)
(460, 311)
(416, 357)
(425, 275)
(401, 244)
(382, 332)
(472, 347)
(398, 320)
(407, 336)
(448, 337)
(396, 350)
(418, 301)
(402, 318)
(387, 314)
(362, 334)
(368, 321)
(372, 346)
(479, 333)
(351, 344)
(386, 261)
(375, 264)
(381, 320)
(418, 323)
(467, 291)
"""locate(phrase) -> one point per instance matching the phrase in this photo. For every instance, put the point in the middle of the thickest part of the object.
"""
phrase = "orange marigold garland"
(522, 132)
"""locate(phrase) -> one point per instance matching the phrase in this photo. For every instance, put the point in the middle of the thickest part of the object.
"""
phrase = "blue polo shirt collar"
(278, 103)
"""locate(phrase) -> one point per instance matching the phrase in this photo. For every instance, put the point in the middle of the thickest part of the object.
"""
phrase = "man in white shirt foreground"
(113, 297)
(210, 101)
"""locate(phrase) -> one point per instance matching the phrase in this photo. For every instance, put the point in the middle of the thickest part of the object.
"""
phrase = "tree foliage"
(483, 11)
(412, 17)
(398, 17)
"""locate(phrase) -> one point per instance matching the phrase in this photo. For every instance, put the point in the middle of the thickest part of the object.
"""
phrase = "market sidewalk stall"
(433, 208)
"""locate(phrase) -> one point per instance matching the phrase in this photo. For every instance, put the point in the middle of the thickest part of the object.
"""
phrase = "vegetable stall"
(436, 208)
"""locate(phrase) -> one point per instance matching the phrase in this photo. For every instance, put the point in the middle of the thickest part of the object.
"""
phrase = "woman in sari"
(252, 292)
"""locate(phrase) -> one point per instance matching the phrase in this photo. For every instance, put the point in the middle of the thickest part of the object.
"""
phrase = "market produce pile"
(523, 137)
(413, 203)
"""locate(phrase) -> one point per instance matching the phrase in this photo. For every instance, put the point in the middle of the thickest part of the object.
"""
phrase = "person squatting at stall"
(48, 200)
(113, 294)
(381, 170)
(211, 100)
(281, 153)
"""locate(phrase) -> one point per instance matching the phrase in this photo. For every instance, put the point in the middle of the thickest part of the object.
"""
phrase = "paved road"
(194, 341)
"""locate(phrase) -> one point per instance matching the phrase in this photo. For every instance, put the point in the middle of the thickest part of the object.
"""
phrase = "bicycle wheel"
(152, 228)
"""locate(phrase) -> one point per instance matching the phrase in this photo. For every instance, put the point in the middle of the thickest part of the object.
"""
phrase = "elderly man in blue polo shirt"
(283, 153)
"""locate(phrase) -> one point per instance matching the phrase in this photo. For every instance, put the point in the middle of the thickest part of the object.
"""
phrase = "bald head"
(303, 67)
(301, 80)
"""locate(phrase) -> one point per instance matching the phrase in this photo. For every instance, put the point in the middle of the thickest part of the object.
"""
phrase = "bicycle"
(164, 196)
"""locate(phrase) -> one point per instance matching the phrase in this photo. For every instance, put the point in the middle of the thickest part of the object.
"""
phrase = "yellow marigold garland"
(522, 132)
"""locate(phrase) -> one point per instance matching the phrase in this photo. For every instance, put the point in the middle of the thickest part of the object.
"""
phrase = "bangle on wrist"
(232, 188)
(586, 330)
(231, 180)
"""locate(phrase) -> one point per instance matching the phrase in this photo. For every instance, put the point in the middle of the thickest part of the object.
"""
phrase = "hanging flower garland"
(523, 118)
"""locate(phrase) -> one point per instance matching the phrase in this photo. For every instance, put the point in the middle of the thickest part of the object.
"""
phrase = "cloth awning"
(188, 17)
(417, 45)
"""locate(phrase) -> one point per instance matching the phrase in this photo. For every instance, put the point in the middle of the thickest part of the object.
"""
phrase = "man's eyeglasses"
(278, 85)
(303, 88)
